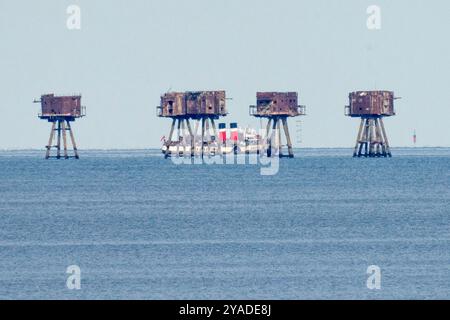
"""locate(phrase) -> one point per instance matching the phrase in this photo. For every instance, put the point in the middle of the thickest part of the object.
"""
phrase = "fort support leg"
(50, 141)
(367, 139)
(217, 137)
(66, 156)
(379, 145)
(179, 136)
(382, 146)
(210, 128)
(186, 149)
(361, 141)
(371, 138)
(197, 124)
(203, 138)
(75, 150)
(279, 141)
(358, 139)
(376, 148)
(363, 150)
(386, 141)
(58, 142)
(288, 138)
(207, 136)
(192, 138)
(169, 141)
(268, 141)
(377, 138)
(273, 137)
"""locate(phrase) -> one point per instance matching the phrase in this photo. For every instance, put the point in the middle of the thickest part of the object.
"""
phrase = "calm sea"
(141, 227)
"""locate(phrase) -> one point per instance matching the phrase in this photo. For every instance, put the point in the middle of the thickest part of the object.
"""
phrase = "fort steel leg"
(367, 139)
(208, 135)
(169, 141)
(380, 146)
(209, 128)
(66, 156)
(183, 136)
(50, 141)
(358, 138)
(75, 150)
(288, 138)
(179, 137)
(58, 143)
(363, 142)
(203, 138)
(274, 135)
(380, 139)
(217, 137)
(371, 138)
(191, 135)
(388, 148)
(376, 147)
(271, 141)
(377, 138)
(197, 126)
(280, 143)
(268, 142)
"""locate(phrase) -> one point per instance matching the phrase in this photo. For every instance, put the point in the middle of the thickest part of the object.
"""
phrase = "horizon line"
(158, 148)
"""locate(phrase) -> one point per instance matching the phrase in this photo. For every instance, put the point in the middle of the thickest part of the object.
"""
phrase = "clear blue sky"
(129, 52)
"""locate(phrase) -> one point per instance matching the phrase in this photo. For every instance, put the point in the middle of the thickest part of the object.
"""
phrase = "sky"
(128, 53)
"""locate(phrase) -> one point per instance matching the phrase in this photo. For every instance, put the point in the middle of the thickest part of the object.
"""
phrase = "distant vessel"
(247, 141)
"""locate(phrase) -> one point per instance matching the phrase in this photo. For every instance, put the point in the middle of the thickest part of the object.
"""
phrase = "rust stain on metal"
(60, 111)
(62, 106)
(271, 104)
(371, 107)
(193, 104)
(371, 103)
(277, 107)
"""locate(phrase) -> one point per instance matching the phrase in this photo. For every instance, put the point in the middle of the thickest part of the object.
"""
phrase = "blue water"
(141, 227)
